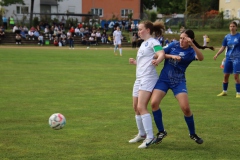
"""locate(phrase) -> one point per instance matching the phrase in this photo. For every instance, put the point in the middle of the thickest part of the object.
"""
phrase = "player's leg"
(120, 48)
(141, 132)
(180, 93)
(228, 69)
(236, 71)
(156, 98)
(143, 100)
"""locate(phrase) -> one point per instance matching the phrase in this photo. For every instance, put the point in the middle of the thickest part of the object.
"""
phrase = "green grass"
(92, 89)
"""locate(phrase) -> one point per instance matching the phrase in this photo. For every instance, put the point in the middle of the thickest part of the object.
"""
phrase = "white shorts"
(117, 42)
(146, 84)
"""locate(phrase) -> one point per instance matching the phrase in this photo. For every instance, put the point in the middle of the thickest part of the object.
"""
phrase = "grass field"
(92, 89)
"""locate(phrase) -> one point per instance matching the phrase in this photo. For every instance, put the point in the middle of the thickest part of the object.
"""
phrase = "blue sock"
(238, 87)
(225, 86)
(158, 119)
(190, 124)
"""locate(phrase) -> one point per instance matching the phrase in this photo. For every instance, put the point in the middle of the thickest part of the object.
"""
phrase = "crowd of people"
(60, 35)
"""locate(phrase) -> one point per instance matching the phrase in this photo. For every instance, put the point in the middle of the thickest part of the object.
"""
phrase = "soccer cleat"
(160, 136)
(137, 139)
(197, 139)
(222, 94)
(237, 95)
(147, 142)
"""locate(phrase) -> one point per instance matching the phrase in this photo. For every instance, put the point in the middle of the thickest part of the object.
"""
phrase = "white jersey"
(117, 35)
(144, 59)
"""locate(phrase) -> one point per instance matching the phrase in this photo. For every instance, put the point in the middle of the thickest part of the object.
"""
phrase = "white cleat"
(137, 139)
(146, 143)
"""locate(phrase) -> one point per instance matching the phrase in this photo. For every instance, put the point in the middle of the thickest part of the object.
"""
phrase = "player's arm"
(132, 61)
(159, 55)
(219, 52)
(175, 57)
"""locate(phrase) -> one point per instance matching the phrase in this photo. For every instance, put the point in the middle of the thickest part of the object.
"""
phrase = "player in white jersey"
(146, 78)
(117, 40)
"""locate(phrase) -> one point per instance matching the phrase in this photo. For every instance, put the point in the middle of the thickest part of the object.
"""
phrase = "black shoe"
(196, 138)
(160, 136)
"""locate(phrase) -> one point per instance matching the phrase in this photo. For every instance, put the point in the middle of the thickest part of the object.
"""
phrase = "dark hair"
(191, 35)
(156, 27)
(235, 23)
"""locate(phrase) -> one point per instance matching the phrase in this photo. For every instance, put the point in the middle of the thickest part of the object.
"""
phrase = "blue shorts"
(232, 66)
(176, 89)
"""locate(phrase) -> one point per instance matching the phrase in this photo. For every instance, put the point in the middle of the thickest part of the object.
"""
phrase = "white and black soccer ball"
(57, 121)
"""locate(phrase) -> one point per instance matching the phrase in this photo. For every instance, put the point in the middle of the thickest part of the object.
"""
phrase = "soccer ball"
(57, 121)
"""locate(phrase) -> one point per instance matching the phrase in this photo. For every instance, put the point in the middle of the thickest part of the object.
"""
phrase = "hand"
(189, 40)
(215, 57)
(132, 61)
(155, 62)
(177, 58)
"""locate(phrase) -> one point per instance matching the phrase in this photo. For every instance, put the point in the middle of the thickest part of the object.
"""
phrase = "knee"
(187, 111)
(236, 77)
(154, 105)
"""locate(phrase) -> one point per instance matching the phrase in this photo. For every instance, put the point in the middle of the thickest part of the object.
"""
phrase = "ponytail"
(202, 47)
(191, 35)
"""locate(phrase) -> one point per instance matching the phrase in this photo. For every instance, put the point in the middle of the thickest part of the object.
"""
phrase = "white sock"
(120, 50)
(147, 124)
(140, 127)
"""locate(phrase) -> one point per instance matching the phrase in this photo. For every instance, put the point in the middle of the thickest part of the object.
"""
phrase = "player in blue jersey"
(146, 78)
(232, 61)
(178, 55)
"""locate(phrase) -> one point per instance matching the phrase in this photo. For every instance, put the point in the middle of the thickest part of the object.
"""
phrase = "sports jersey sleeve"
(224, 42)
(167, 50)
(156, 46)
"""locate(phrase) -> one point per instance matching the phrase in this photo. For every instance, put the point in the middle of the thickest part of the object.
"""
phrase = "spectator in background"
(104, 37)
(71, 42)
(169, 31)
(63, 38)
(98, 36)
(46, 30)
(81, 31)
(5, 20)
(23, 34)
(72, 30)
(123, 24)
(16, 29)
(55, 41)
(182, 29)
(77, 31)
(30, 35)
(40, 39)
(204, 40)
(166, 42)
(36, 34)
(80, 25)
(2, 33)
(11, 22)
(132, 27)
(84, 40)
(33, 29)
(109, 39)
(18, 39)
(134, 40)
(25, 29)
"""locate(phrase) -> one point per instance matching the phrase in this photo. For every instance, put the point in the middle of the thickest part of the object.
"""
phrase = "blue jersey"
(232, 42)
(173, 71)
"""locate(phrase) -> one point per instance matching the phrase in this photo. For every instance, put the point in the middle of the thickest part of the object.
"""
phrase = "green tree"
(9, 2)
(193, 7)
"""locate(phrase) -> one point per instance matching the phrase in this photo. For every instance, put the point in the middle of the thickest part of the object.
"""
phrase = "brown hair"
(233, 22)
(156, 27)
